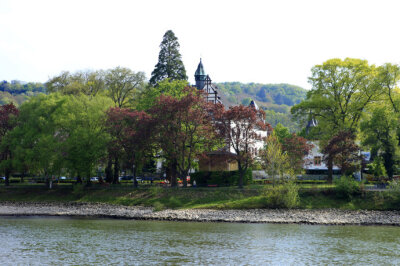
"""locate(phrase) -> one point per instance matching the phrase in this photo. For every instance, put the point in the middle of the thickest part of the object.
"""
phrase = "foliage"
(274, 118)
(8, 115)
(183, 129)
(342, 151)
(122, 85)
(148, 97)
(270, 93)
(285, 195)
(170, 63)
(346, 187)
(377, 167)
(81, 82)
(275, 162)
(240, 126)
(132, 133)
(220, 178)
(380, 134)
(57, 131)
(341, 90)
(17, 91)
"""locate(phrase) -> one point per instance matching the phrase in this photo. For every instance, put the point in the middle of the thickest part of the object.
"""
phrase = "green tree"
(36, 140)
(341, 90)
(82, 82)
(275, 161)
(170, 63)
(379, 133)
(123, 85)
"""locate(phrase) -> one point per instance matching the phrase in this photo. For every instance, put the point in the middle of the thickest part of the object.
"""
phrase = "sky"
(245, 41)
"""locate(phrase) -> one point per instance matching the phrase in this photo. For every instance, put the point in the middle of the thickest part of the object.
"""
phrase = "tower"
(200, 76)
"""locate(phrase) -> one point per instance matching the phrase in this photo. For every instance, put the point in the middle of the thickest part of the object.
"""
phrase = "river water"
(66, 241)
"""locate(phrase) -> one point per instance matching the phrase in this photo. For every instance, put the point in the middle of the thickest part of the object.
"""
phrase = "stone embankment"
(323, 217)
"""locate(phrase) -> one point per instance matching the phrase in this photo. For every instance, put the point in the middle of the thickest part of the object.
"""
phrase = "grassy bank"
(217, 198)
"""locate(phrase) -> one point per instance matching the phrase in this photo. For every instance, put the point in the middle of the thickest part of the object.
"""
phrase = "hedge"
(220, 178)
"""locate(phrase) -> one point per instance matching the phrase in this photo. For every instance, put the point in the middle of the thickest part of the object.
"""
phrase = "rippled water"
(60, 241)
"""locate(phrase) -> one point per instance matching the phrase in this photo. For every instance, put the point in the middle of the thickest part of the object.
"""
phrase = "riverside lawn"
(251, 197)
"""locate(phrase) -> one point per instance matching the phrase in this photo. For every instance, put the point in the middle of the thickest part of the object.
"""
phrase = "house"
(222, 160)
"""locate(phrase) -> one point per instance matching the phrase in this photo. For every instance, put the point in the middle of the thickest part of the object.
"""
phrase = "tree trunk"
(330, 170)
(240, 175)
(116, 171)
(135, 182)
(7, 175)
(173, 166)
(108, 170)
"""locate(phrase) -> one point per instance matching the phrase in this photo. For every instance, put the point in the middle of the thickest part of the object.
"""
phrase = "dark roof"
(200, 70)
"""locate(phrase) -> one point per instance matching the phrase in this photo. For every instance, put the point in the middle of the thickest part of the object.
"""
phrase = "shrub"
(394, 193)
(220, 178)
(285, 195)
(346, 187)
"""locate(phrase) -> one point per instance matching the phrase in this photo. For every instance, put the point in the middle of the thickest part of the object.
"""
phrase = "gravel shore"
(323, 217)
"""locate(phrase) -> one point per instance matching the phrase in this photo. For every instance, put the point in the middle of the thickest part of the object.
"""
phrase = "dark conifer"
(169, 61)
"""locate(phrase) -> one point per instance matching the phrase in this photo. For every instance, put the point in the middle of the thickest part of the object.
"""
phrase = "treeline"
(18, 91)
(280, 94)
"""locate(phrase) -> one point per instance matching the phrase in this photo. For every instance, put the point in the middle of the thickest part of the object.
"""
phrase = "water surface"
(61, 241)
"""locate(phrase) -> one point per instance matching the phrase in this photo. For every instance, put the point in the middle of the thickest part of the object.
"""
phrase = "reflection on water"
(56, 241)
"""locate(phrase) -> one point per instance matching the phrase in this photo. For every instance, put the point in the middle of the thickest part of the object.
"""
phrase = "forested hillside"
(275, 99)
(18, 91)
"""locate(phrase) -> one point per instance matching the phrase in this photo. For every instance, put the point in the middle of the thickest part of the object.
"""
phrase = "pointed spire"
(200, 70)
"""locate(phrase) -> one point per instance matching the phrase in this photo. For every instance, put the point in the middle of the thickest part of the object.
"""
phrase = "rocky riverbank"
(323, 217)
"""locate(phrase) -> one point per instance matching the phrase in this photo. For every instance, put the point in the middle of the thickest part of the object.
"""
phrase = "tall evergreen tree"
(170, 63)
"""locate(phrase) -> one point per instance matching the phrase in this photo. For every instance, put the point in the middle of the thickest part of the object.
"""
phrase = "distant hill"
(18, 91)
(275, 99)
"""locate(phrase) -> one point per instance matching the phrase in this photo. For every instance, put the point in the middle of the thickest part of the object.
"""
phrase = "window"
(317, 160)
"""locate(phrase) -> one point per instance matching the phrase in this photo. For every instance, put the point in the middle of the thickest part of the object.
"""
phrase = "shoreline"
(276, 216)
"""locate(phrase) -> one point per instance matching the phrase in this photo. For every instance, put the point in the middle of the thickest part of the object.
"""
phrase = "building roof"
(200, 70)
(254, 105)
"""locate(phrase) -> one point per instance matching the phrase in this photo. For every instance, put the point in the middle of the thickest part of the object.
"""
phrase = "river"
(66, 241)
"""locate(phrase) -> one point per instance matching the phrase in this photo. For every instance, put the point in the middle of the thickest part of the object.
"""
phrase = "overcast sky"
(246, 41)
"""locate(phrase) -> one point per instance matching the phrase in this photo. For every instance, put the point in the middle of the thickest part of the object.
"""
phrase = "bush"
(393, 193)
(284, 195)
(346, 187)
(220, 178)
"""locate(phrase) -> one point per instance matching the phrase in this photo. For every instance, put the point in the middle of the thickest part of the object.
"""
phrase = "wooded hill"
(275, 99)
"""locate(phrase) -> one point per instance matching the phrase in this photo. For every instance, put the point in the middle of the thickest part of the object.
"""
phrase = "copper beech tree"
(132, 137)
(183, 130)
(241, 127)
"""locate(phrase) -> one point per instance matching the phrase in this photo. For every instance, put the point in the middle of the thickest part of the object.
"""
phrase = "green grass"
(250, 197)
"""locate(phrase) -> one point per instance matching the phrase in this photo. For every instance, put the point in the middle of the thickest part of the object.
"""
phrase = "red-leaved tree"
(342, 151)
(8, 113)
(132, 136)
(296, 148)
(241, 127)
(184, 130)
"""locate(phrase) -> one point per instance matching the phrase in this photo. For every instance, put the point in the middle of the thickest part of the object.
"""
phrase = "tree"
(296, 148)
(35, 140)
(8, 115)
(82, 123)
(89, 83)
(183, 130)
(170, 63)
(380, 134)
(342, 151)
(341, 90)
(123, 84)
(275, 161)
(132, 133)
(241, 127)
